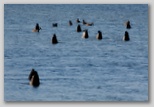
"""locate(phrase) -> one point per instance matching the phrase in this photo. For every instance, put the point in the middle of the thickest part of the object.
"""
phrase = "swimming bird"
(78, 28)
(86, 23)
(83, 22)
(55, 24)
(85, 34)
(89, 24)
(128, 26)
(99, 35)
(126, 36)
(37, 28)
(54, 39)
(77, 20)
(70, 23)
(34, 78)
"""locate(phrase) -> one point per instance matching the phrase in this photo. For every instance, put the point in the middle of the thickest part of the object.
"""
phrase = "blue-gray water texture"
(76, 69)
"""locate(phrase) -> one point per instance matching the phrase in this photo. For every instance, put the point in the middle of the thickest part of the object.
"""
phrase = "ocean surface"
(76, 69)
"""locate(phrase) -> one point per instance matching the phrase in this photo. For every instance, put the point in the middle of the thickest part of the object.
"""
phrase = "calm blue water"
(76, 69)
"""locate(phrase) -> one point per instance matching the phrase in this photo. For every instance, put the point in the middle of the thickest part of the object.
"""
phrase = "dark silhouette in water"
(83, 21)
(128, 26)
(34, 78)
(99, 35)
(77, 20)
(37, 28)
(126, 36)
(87, 24)
(85, 34)
(70, 23)
(55, 24)
(78, 28)
(54, 39)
